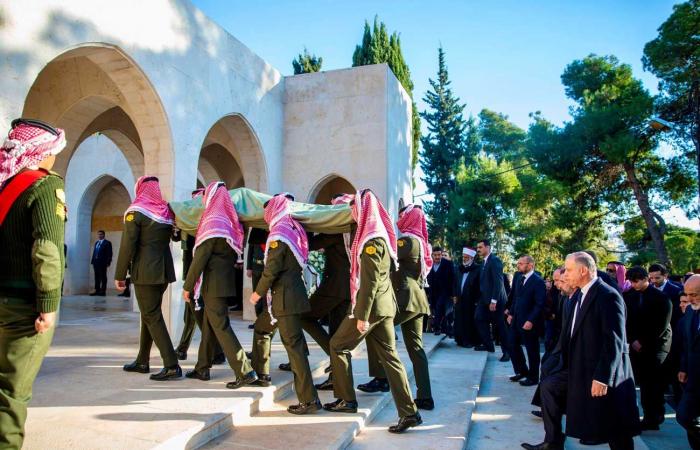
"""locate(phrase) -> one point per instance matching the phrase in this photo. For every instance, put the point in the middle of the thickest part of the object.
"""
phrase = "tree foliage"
(307, 63)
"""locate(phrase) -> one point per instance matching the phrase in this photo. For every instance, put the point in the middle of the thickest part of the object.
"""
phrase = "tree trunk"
(654, 222)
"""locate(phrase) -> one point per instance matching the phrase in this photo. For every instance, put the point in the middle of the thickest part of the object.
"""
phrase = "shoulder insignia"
(130, 217)
(371, 250)
(400, 243)
(61, 195)
(274, 244)
(61, 211)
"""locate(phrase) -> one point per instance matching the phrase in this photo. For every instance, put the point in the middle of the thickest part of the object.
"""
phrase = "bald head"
(692, 291)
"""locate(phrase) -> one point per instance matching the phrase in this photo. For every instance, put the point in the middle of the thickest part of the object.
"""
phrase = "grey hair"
(528, 259)
(583, 259)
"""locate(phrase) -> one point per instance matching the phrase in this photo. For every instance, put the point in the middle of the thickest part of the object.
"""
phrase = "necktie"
(577, 309)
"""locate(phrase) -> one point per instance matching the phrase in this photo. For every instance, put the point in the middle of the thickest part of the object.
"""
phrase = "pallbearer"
(212, 272)
(414, 264)
(287, 252)
(145, 254)
(32, 216)
(373, 310)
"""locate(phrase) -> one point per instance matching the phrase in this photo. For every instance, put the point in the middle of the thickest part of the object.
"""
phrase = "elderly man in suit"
(525, 319)
(688, 410)
(101, 260)
(440, 285)
(593, 383)
(466, 297)
(492, 300)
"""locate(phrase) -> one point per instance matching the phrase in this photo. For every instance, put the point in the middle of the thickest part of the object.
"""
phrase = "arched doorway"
(330, 185)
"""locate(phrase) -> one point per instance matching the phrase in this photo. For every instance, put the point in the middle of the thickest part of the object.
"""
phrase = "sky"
(506, 55)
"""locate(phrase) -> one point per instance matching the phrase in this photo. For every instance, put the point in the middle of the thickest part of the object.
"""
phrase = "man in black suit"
(603, 275)
(658, 275)
(649, 335)
(101, 260)
(492, 300)
(593, 383)
(525, 320)
(440, 285)
(466, 298)
(688, 410)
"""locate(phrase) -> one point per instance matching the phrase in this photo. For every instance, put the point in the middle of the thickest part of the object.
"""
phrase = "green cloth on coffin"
(328, 219)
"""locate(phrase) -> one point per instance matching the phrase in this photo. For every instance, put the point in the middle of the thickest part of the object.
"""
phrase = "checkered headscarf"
(26, 146)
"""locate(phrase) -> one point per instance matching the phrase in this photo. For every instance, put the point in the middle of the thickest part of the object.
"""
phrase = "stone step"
(272, 427)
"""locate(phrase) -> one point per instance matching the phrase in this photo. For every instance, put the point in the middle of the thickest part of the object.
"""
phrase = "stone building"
(156, 87)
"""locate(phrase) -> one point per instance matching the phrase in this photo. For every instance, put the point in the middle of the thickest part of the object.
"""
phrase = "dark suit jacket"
(441, 282)
(470, 292)
(672, 291)
(103, 256)
(690, 351)
(336, 273)
(528, 300)
(610, 281)
(598, 350)
(491, 281)
(649, 320)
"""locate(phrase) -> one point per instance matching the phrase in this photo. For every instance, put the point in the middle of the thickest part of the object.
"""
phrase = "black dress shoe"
(251, 326)
(137, 367)
(263, 381)
(219, 359)
(341, 406)
(504, 358)
(249, 378)
(437, 333)
(199, 375)
(425, 403)
(590, 442)
(181, 355)
(517, 377)
(480, 348)
(326, 385)
(536, 413)
(305, 408)
(542, 446)
(287, 367)
(405, 423)
(93, 294)
(376, 385)
(649, 426)
(528, 382)
(168, 373)
(249, 355)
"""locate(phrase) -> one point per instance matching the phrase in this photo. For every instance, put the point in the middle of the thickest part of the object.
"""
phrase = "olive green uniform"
(332, 298)
(413, 306)
(31, 273)
(375, 303)
(283, 276)
(145, 254)
(215, 260)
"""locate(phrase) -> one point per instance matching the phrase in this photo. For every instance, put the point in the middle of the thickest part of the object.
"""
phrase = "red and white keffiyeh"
(283, 227)
(372, 222)
(149, 201)
(26, 146)
(412, 223)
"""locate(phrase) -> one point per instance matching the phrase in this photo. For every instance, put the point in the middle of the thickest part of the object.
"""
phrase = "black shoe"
(167, 374)
(425, 403)
(326, 385)
(199, 375)
(536, 413)
(249, 378)
(124, 294)
(219, 359)
(437, 333)
(102, 294)
(505, 358)
(405, 423)
(251, 326)
(249, 355)
(181, 355)
(528, 382)
(305, 408)
(590, 442)
(649, 426)
(137, 367)
(263, 381)
(375, 385)
(341, 406)
(480, 348)
(517, 377)
(287, 367)
(542, 446)
(93, 294)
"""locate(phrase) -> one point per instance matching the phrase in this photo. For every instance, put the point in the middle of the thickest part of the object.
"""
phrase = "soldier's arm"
(273, 266)
(370, 261)
(405, 250)
(48, 223)
(199, 262)
(128, 246)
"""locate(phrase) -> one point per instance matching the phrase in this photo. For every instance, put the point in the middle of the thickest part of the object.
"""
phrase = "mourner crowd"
(603, 332)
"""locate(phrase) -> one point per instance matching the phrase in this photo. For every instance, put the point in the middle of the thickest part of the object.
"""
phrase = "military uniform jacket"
(145, 251)
(408, 281)
(283, 277)
(215, 261)
(375, 297)
(336, 274)
(255, 258)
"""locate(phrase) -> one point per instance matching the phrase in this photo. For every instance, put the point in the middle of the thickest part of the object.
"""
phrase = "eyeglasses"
(611, 270)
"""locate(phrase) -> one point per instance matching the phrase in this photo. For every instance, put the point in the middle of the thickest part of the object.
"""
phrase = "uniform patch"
(274, 244)
(400, 243)
(130, 218)
(371, 250)
(61, 211)
(61, 195)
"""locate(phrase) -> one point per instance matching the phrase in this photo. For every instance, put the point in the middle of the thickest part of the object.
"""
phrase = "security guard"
(145, 254)
(32, 216)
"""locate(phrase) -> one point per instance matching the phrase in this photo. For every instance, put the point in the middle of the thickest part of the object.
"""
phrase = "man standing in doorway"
(101, 260)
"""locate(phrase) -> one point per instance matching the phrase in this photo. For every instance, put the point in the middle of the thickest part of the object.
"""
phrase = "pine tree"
(443, 147)
(307, 63)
